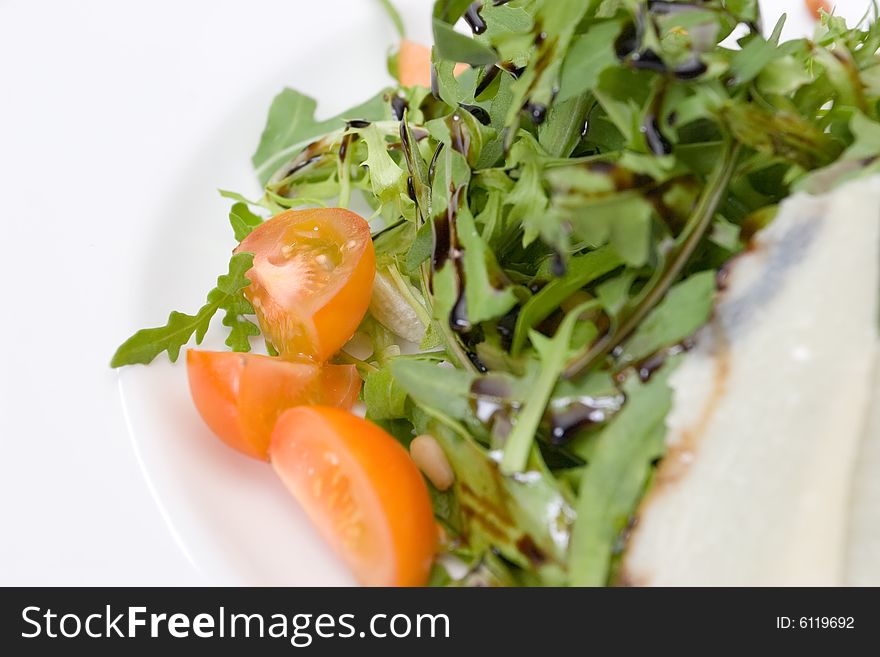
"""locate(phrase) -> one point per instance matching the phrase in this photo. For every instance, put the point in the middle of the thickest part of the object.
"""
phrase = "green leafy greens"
(227, 296)
(555, 216)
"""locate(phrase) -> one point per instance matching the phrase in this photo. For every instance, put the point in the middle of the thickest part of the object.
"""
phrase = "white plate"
(230, 514)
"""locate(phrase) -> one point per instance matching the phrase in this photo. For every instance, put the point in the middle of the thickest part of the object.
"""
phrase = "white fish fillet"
(769, 410)
(863, 554)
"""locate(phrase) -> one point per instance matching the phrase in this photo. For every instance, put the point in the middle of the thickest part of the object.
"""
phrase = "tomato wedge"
(239, 396)
(361, 489)
(816, 7)
(311, 279)
(414, 64)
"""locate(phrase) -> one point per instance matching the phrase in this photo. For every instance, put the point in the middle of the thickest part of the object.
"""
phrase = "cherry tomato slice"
(311, 279)
(817, 6)
(239, 396)
(362, 491)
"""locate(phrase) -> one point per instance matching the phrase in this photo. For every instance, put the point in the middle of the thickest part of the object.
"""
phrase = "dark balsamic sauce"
(537, 111)
(515, 71)
(647, 367)
(302, 165)
(530, 550)
(557, 264)
(582, 413)
(657, 142)
(473, 18)
(489, 74)
(506, 327)
(627, 42)
(459, 135)
(475, 360)
(442, 241)
(435, 83)
(404, 141)
(443, 227)
(398, 106)
(458, 316)
(432, 168)
(478, 112)
(691, 69)
(722, 277)
(664, 7)
(345, 144)
(490, 399)
(648, 60)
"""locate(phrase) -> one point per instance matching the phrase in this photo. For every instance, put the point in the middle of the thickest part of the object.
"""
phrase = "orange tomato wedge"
(414, 64)
(360, 488)
(311, 279)
(239, 396)
(817, 6)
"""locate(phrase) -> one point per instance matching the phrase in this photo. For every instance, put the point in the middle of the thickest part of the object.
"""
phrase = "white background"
(102, 105)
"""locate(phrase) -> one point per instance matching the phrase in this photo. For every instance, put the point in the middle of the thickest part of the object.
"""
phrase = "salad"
(501, 259)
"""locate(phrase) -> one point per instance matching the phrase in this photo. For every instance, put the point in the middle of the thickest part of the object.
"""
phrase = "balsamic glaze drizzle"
(398, 106)
(473, 18)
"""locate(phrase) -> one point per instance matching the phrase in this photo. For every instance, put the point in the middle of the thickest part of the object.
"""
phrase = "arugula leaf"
(610, 487)
(146, 344)
(450, 10)
(449, 87)
(538, 160)
(867, 138)
(581, 271)
(528, 200)
(456, 47)
(786, 76)
(538, 82)
(420, 248)
(757, 55)
(589, 55)
(553, 354)
(384, 398)
(599, 213)
(561, 132)
(243, 220)
(291, 124)
(784, 134)
(685, 308)
(431, 384)
(526, 519)
(387, 179)
(488, 296)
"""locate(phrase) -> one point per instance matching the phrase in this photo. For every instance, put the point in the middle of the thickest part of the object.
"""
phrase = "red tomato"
(239, 396)
(414, 64)
(311, 280)
(362, 491)
(816, 5)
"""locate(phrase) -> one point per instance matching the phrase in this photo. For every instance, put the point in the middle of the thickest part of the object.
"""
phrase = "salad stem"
(665, 276)
(553, 356)
(344, 182)
(407, 293)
